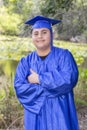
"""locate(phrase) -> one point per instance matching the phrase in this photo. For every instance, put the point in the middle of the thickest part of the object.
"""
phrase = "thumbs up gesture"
(33, 77)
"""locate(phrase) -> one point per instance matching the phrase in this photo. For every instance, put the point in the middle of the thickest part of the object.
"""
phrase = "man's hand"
(33, 77)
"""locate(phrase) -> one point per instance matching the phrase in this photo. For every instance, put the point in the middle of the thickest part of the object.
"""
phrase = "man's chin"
(42, 47)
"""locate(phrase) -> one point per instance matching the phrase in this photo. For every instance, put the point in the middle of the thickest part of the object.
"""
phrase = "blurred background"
(15, 42)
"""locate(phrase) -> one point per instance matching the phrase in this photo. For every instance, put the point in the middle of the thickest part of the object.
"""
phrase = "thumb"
(32, 71)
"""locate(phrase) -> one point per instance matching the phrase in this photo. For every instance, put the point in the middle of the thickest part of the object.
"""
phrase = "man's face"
(41, 38)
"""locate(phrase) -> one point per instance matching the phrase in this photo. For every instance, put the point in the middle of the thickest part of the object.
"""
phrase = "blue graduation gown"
(50, 104)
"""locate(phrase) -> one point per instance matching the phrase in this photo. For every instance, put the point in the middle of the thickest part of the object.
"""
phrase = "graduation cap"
(40, 21)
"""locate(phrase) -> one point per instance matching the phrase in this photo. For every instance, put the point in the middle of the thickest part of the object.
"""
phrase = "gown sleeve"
(63, 78)
(31, 96)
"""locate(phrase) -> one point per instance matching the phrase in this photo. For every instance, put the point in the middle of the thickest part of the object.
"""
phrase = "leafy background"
(15, 42)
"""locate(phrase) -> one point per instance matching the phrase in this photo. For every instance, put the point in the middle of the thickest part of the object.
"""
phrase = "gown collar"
(47, 57)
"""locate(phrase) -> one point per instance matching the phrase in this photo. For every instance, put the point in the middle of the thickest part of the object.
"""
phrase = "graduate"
(44, 81)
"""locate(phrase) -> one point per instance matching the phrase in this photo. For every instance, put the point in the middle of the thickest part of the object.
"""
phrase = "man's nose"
(40, 35)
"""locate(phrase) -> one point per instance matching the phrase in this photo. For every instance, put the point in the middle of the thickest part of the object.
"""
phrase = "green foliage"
(14, 47)
(9, 24)
(79, 102)
(83, 73)
(73, 15)
(2, 95)
(16, 6)
(9, 116)
(51, 7)
(78, 50)
(12, 14)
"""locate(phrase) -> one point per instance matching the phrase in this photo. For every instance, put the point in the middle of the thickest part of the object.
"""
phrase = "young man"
(44, 82)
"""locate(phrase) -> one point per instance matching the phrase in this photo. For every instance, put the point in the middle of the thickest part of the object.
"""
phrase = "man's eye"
(44, 32)
(35, 34)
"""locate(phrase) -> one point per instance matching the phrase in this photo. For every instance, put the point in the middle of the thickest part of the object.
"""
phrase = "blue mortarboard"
(40, 21)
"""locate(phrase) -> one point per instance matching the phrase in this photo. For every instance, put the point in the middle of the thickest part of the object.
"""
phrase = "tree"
(54, 7)
(12, 14)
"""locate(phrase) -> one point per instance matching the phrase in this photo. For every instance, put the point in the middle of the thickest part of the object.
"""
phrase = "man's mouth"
(40, 40)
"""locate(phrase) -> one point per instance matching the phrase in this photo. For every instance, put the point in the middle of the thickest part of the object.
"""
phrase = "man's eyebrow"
(41, 30)
(44, 30)
(35, 31)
